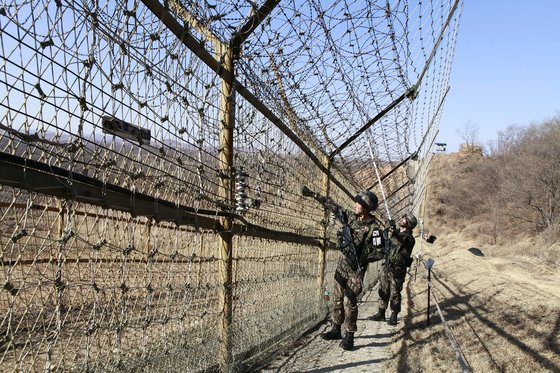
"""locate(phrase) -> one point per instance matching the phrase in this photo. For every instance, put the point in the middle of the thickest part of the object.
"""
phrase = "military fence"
(152, 157)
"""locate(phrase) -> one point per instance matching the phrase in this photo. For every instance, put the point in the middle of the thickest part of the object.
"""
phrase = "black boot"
(379, 316)
(393, 319)
(334, 333)
(348, 342)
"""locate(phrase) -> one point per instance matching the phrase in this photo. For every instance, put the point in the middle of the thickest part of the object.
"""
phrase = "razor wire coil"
(102, 285)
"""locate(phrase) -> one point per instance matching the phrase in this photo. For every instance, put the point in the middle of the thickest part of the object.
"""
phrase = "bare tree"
(469, 133)
(530, 174)
(506, 138)
(517, 189)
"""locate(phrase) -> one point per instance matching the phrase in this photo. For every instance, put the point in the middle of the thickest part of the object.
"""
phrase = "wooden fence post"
(225, 241)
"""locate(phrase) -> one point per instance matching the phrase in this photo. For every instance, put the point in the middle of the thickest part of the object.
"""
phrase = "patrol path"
(312, 354)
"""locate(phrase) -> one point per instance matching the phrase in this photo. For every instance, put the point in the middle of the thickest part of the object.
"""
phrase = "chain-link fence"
(152, 159)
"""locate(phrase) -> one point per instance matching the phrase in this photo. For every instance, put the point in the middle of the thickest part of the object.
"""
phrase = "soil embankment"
(502, 311)
(498, 291)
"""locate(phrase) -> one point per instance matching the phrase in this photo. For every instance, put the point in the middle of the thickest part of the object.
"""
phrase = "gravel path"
(312, 354)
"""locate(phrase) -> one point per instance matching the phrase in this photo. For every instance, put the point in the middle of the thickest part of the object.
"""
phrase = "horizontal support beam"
(270, 234)
(131, 259)
(197, 48)
(397, 190)
(54, 181)
(371, 122)
(42, 178)
(254, 21)
(393, 169)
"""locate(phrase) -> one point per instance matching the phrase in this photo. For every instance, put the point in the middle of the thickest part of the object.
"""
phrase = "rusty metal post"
(148, 239)
(429, 264)
(60, 222)
(429, 292)
(225, 242)
(58, 284)
(325, 190)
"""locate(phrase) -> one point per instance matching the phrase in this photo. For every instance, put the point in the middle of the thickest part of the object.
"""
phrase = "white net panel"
(110, 202)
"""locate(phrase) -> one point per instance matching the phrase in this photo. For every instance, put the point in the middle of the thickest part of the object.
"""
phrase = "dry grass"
(501, 302)
(502, 310)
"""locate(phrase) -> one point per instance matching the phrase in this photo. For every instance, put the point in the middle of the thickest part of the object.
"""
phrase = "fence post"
(429, 263)
(325, 190)
(465, 368)
(60, 223)
(225, 192)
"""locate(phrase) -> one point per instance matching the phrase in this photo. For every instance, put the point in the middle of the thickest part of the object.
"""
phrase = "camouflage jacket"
(365, 235)
(399, 247)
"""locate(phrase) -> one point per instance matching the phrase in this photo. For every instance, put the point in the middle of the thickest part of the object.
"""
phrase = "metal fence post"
(429, 263)
(323, 249)
(225, 240)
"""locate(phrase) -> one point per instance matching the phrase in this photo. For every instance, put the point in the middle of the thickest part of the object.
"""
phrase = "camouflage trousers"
(390, 286)
(347, 288)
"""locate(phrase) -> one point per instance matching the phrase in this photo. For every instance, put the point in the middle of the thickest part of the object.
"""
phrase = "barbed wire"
(94, 286)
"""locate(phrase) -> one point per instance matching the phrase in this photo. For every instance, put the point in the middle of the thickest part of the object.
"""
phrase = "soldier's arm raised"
(327, 203)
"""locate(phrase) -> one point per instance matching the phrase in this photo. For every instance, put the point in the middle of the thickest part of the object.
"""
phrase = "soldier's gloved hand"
(306, 192)
(392, 224)
(375, 256)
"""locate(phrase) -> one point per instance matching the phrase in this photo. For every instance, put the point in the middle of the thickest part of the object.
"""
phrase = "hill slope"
(500, 297)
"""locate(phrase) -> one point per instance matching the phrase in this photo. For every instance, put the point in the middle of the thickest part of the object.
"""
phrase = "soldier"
(358, 238)
(399, 244)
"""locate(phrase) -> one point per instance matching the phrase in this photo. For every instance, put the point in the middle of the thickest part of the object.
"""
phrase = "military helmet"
(367, 199)
(411, 221)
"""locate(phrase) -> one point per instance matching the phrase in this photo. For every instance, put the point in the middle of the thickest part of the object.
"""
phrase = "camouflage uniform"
(393, 273)
(351, 268)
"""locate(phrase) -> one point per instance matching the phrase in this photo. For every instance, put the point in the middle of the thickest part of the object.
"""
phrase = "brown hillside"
(462, 200)
(498, 291)
(458, 196)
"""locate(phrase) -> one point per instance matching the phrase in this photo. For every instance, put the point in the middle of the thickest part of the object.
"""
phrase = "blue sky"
(506, 69)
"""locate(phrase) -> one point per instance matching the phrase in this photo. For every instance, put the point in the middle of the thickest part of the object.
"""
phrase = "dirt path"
(312, 354)
(504, 313)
